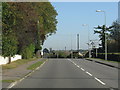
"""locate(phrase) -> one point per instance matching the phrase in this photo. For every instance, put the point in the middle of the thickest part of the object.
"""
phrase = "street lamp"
(105, 32)
(88, 39)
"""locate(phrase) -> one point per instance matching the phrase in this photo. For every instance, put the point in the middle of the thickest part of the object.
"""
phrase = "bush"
(28, 52)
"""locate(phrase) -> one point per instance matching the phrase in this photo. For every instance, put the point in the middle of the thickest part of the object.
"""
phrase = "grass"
(17, 63)
(35, 65)
(8, 81)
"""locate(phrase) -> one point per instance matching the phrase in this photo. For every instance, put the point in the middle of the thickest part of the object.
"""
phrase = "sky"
(72, 16)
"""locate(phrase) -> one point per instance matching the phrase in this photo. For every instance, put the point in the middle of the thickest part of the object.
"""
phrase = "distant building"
(119, 11)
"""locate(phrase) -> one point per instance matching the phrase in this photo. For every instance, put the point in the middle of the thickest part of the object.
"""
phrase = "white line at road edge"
(99, 81)
(14, 83)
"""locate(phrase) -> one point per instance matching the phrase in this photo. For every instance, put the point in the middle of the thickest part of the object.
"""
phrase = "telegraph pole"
(78, 42)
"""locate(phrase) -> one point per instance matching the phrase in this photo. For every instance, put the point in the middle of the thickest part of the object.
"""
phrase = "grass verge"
(35, 65)
(8, 81)
(17, 63)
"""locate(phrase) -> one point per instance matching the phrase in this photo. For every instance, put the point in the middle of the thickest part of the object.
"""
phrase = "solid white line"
(21, 79)
(37, 68)
(89, 73)
(13, 84)
(82, 69)
(99, 81)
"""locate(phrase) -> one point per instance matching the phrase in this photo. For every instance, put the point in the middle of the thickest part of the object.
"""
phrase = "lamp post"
(88, 40)
(105, 32)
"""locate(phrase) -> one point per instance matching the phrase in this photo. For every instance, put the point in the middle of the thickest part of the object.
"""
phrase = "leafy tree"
(20, 21)
(101, 31)
(114, 37)
(9, 41)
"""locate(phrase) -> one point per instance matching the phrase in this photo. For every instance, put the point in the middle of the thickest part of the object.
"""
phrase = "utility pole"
(78, 42)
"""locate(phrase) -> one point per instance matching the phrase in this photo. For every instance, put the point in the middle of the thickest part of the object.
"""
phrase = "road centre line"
(82, 69)
(89, 73)
(99, 81)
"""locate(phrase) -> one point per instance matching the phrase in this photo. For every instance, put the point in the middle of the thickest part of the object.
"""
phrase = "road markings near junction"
(99, 81)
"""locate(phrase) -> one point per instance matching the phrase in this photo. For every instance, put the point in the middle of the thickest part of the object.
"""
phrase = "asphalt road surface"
(67, 73)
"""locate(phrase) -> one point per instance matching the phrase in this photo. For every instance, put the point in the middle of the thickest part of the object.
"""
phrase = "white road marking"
(99, 81)
(22, 79)
(89, 73)
(82, 69)
(13, 84)
(37, 68)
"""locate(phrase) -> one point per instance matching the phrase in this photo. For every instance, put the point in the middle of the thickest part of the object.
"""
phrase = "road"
(67, 73)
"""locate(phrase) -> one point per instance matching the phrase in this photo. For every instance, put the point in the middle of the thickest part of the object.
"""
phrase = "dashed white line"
(75, 64)
(89, 73)
(82, 69)
(99, 81)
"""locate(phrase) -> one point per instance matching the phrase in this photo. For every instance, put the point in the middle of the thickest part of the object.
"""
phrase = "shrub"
(28, 52)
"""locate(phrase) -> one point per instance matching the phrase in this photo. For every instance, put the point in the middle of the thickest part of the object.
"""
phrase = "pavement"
(65, 73)
(105, 62)
(16, 73)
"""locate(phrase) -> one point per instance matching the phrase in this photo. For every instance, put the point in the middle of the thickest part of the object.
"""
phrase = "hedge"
(110, 56)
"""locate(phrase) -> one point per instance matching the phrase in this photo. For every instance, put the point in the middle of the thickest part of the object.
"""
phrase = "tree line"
(25, 26)
(112, 35)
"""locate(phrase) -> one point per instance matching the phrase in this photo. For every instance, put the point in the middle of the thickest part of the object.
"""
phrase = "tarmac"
(21, 71)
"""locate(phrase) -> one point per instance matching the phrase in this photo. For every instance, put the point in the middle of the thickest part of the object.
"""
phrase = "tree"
(20, 21)
(9, 39)
(101, 32)
(114, 37)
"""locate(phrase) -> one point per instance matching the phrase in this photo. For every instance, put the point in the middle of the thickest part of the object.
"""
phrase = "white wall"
(6, 59)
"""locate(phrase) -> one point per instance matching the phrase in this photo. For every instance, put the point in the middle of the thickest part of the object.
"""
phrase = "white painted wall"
(6, 59)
